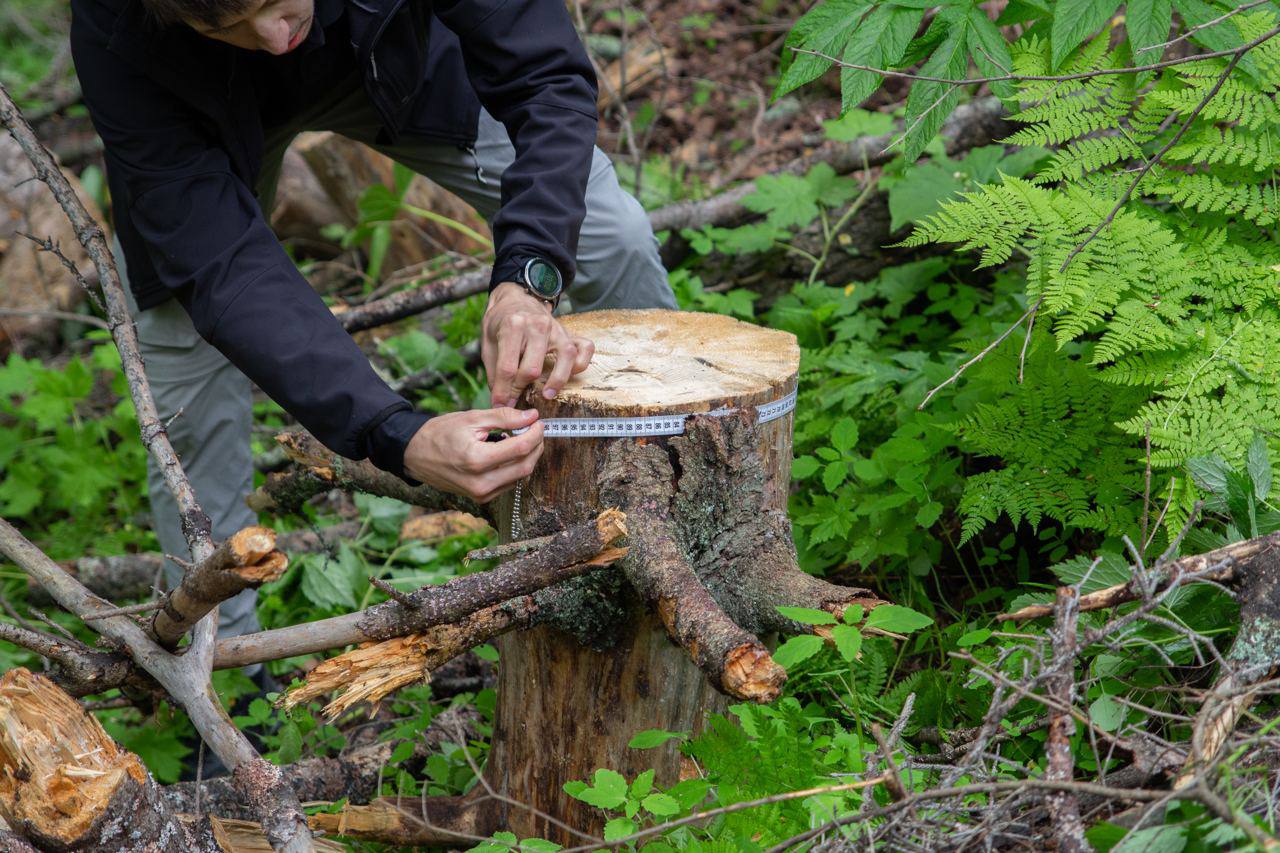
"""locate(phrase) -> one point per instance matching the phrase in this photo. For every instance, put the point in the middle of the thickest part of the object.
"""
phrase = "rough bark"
(66, 785)
(1064, 807)
(247, 559)
(566, 708)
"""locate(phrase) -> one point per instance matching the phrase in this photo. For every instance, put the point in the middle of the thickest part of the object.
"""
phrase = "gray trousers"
(618, 267)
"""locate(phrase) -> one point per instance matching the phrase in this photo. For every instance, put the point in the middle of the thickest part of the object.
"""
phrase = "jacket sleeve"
(210, 246)
(532, 73)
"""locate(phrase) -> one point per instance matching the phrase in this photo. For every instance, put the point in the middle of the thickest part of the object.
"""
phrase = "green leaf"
(1209, 473)
(833, 475)
(1169, 838)
(823, 29)
(786, 200)
(661, 804)
(803, 466)
(619, 827)
(852, 614)
(650, 738)
(898, 619)
(929, 104)
(974, 638)
(1106, 713)
(1076, 20)
(807, 615)
(990, 51)
(608, 791)
(797, 649)
(1147, 23)
(830, 189)
(290, 744)
(326, 583)
(928, 514)
(642, 784)
(879, 42)
(844, 435)
(402, 752)
(1259, 465)
(856, 124)
(848, 641)
(486, 652)
(575, 787)
(920, 192)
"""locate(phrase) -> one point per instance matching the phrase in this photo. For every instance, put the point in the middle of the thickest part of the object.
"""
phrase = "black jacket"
(179, 118)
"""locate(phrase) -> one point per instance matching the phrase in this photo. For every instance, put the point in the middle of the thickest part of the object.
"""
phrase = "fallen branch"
(1221, 565)
(407, 303)
(324, 470)
(1064, 808)
(375, 670)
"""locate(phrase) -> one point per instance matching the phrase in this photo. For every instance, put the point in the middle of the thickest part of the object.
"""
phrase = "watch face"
(543, 278)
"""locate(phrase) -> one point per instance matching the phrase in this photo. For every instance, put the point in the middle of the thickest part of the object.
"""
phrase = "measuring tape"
(640, 427)
(649, 425)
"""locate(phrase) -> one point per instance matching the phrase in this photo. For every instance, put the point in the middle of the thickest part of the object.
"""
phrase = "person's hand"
(451, 452)
(518, 335)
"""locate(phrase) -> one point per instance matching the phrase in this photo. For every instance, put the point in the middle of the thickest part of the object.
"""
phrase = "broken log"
(710, 555)
(66, 785)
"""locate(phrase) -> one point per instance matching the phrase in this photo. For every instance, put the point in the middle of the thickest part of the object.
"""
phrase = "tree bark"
(574, 691)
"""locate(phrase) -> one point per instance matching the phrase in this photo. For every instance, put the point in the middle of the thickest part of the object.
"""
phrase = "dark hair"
(210, 13)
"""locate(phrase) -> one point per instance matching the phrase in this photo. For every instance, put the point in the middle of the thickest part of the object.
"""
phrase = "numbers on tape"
(650, 425)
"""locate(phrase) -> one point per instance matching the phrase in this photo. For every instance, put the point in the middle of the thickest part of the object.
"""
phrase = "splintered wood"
(64, 783)
(372, 671)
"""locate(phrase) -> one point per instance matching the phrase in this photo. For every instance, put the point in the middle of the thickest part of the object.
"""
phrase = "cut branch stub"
(66, 785)
(246, 559)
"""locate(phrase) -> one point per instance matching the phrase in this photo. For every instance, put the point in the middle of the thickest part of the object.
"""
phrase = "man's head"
(276, 26)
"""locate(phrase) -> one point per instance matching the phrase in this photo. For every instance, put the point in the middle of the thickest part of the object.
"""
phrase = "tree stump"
(710, 558)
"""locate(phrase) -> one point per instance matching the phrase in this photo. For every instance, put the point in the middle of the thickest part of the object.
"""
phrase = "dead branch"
(246, 560)
(977, 123)
(1064, 808)
(407, 303)
(1222, 565)
(640, 480)
(324, 470)
(375, 670)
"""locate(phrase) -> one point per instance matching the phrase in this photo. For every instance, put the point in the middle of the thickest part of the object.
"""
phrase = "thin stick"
(1030, 312)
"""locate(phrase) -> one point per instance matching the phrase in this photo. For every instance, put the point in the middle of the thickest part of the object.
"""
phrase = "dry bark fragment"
(1064, 808)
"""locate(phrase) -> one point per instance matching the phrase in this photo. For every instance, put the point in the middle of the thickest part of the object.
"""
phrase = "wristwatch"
(541, 278)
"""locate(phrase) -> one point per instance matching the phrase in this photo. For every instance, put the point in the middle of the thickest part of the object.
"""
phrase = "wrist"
(514, 293)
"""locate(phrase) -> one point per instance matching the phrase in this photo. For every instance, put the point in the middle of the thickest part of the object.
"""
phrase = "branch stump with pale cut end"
(709, 559)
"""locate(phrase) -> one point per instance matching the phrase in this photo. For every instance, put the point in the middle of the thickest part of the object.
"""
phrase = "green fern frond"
(1087, 155)
(1207, 193)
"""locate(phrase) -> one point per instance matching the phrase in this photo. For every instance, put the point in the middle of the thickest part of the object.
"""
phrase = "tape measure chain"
(638, 427)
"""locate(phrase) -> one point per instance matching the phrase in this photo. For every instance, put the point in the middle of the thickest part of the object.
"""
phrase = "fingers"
(505, 364)
(505, 418)
(499, 480)
(585, 350)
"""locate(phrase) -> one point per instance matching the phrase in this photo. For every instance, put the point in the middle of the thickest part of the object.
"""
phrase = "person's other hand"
(518, 335)
(451, 452)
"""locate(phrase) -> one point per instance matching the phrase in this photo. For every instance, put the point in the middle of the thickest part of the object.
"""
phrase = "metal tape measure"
(639, 427)
(650, 425)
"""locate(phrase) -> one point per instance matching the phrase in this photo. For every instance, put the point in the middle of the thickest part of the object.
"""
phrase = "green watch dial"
(542, 278)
